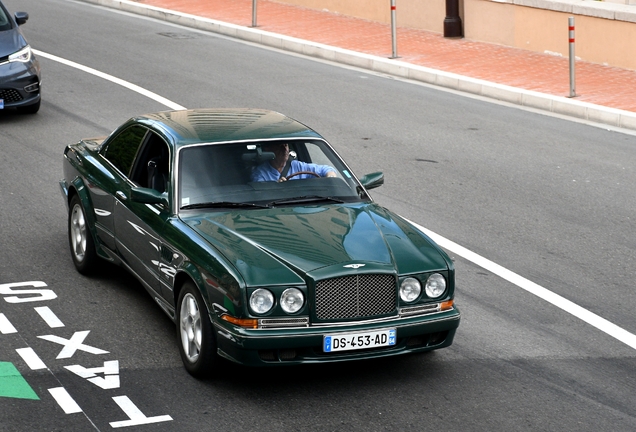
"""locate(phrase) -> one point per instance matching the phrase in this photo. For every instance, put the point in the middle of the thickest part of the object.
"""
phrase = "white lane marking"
(49, 317)
(135, 415)
(533, 288)
(110, 371)
(547, 295)
(31, 358)
(73, 344)
(110, 368)
(64, 400)
(5, 325)
(39, 294)
(121, 82)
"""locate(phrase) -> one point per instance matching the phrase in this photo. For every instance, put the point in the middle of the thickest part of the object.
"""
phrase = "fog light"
(32, 88)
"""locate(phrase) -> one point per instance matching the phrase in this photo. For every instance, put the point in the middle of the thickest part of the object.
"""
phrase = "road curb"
(526, 98)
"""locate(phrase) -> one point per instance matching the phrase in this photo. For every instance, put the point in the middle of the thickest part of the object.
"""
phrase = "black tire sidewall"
(88, 263)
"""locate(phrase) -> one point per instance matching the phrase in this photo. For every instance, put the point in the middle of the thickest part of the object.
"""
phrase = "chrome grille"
(356, 296)
(283, 322)
(10, 95)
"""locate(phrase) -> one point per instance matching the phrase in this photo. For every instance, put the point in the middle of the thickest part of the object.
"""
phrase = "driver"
(273, 170)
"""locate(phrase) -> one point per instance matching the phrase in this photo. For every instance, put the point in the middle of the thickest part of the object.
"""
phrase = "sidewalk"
(525, 71)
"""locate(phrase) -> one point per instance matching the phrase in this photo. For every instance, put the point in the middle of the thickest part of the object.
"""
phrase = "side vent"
(166, 254)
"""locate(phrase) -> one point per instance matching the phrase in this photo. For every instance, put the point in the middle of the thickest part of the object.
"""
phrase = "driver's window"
(318, 156)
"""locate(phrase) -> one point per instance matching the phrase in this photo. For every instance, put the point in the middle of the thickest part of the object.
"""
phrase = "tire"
(197, 344)
(30, 109)
(80, 239)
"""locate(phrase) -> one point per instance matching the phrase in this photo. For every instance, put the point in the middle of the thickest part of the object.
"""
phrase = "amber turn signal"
(241, 322)
(446, 305)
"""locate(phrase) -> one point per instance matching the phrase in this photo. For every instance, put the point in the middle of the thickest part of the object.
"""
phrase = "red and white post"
(572, 56)
(393, 30)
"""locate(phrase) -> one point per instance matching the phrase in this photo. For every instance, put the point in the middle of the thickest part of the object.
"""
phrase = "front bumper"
(20, 84)
(304, 345)
(64, 191)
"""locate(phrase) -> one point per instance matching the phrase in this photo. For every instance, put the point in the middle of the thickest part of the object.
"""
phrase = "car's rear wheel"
(197, 344)
(80, 239)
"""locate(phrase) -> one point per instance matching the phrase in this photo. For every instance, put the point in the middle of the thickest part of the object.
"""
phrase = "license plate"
(1, 103)
(356, 341)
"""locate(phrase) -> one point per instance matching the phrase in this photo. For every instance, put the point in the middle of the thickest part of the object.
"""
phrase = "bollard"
(393, 30)
(453, 22)
(572, 57)
(253, 13)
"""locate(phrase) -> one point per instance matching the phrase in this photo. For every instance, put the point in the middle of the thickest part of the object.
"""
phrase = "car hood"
(281, 244)
(10, 42)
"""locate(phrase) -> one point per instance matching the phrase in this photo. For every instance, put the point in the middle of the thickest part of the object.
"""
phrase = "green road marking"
(13, 385)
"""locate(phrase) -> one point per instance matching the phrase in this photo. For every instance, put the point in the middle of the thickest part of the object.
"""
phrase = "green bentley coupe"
(248, 230)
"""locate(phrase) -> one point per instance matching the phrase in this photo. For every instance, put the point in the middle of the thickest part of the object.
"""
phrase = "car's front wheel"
(80, 239)
(197, 344)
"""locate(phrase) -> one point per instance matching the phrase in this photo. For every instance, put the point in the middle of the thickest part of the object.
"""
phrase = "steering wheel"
(302, 172)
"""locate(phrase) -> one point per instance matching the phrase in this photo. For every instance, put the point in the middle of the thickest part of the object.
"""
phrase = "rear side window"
(122, 148)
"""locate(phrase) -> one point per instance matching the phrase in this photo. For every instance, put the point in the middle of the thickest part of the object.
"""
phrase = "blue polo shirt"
(265, 172)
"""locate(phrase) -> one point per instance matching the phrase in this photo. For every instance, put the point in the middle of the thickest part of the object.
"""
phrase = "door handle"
(122, 196)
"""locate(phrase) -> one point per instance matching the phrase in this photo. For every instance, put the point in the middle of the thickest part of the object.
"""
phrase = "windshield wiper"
(222, 204)
(305, 199)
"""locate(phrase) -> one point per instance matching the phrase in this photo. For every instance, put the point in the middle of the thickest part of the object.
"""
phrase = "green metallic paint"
(220, 125)
(228, 253)
(256, 242)
(199, 261)
(77, 187)
(148, 196)
(372, 180)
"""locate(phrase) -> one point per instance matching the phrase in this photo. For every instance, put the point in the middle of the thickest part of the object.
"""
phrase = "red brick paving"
(597, 84)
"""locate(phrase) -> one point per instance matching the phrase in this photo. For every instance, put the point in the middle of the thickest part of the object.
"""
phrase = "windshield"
(271, 173)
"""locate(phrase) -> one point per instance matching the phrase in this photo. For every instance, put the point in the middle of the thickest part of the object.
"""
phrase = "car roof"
(184, 127)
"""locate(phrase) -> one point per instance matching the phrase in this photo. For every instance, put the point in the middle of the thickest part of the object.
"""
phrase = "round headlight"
(292, 300)
(410, 289)
(435, 285)
(261, 301)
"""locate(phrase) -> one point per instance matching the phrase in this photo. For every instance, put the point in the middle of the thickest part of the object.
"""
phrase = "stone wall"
(605, 30)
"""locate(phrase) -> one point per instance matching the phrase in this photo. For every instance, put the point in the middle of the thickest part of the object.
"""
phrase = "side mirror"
(21, 17)
(148, 196)
(372, 180)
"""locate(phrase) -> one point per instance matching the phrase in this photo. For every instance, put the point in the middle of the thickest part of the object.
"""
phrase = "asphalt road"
(549, 199)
